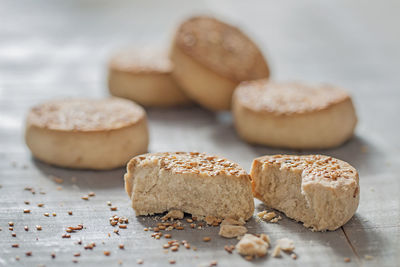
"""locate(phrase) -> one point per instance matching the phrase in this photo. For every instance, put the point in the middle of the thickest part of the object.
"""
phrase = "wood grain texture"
(54, 49)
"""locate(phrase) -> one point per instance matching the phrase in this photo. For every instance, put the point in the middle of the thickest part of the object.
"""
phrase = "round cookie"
(211, 58)
(320, 191)
(144, 76)
(87, 133)
(293, 115)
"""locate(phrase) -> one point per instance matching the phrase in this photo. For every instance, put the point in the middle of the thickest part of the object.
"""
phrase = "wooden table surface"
(53, 49)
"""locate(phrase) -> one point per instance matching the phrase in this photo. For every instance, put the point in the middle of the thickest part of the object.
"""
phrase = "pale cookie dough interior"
(194, 183)
(320, 191)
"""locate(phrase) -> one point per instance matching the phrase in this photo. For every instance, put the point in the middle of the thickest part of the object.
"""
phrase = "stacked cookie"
(207, 60)
(210, 60)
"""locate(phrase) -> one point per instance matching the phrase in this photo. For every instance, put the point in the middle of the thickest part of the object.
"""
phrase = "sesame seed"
(167, 236)
(15, 245)
(26, 202)
(38, 227)
(40, 205)
(346, 259)
(107, 253)
(26, 228)
(69, 212)
(140, 261)
(121, 246)
(11, 228)
(77, 254)
(85, 198)
(29, 253)
(53, 255)
(54, 214)
(13, 234)
(109, 203)
(27, 211)
(207, 239)
(58, 180)
(10, 223)
(91, 194)
(113, 208)
(46, 214)
(123, 226)
(145, 229)
(172, 261)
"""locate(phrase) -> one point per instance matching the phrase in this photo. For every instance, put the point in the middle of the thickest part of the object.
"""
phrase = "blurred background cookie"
(293, 115)
(84, 133)
(144, 76)
(211, 58)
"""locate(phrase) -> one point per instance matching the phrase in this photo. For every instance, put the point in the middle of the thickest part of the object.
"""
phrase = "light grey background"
(53, 49)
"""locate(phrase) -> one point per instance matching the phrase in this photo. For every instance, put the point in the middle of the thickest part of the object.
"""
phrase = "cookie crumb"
(286, 244)
(276, 253)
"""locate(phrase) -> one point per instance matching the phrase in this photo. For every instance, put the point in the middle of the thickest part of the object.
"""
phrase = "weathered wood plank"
(53, 50)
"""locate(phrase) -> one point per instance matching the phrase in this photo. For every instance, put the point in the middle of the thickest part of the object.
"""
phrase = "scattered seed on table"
(91, 194)
(213, 263)
(85, 198)
(26, 228)
(13, 234)
(172, 261)
(10, 223)
(29, 253)
(121, 246)
(15, 245)
(69, 212)
(77, 254)
(107, 253)
(40, 205)
(53, 255)
(54, 214)
(11, 228)
(207, 239)
(46, 214)
(26, 202)
(109, 203)
(38, 227)
(140, 261)
(113, 208)
(122, 226)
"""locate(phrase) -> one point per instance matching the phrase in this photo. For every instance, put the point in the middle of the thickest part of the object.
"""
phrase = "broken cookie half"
(195, 183)
(320, 191)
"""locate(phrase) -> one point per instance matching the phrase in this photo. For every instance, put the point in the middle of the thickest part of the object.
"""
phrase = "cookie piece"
(87, 133)
(320, 191)
(211, 58)
(195, 183)
(144, 76)
(251, 245)
(293, 115)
